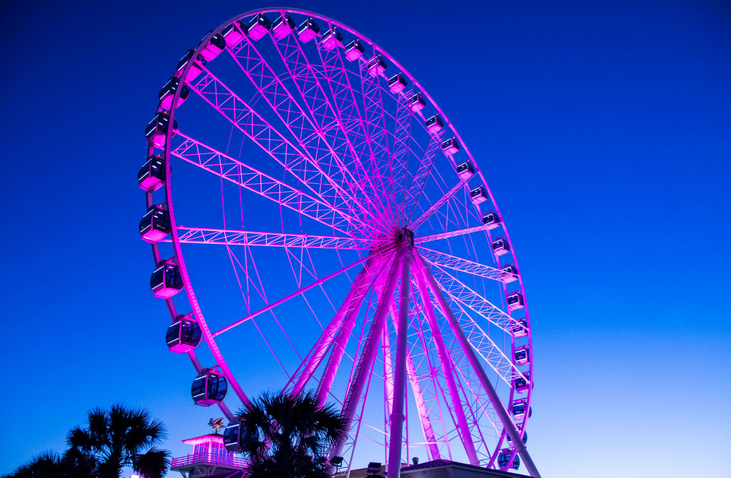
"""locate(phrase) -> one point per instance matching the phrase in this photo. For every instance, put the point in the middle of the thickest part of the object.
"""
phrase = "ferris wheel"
(330, 231)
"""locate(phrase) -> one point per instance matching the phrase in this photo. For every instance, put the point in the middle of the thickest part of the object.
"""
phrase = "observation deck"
(209, 458)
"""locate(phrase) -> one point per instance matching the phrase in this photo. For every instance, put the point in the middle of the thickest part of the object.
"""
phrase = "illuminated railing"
(212, 458)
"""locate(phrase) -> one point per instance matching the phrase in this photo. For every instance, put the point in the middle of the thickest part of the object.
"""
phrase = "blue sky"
(606, 133)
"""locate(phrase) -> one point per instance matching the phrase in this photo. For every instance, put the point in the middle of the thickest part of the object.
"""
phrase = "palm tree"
(45, 465)
(120, 437)
(285, 435)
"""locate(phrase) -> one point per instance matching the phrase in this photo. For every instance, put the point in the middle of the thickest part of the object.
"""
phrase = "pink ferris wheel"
(330, 231)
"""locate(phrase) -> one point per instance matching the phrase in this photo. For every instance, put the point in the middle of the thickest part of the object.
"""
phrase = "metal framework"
(344, 249)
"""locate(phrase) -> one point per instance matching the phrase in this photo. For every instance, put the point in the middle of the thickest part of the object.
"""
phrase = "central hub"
(405, 237)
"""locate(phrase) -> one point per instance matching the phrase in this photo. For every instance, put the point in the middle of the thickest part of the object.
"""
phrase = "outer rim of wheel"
(198, 313)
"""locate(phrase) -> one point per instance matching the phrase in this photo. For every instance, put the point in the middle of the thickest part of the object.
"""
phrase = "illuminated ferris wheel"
(332, 232)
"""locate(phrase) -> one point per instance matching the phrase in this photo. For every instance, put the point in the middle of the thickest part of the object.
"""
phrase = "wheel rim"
(365, 213)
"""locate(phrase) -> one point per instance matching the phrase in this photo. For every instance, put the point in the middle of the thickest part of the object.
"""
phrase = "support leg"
(399, 386)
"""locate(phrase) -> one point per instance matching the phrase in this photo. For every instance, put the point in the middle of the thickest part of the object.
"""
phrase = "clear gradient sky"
(605, 129)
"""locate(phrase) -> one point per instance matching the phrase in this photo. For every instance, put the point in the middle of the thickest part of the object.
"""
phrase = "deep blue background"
(605, 128)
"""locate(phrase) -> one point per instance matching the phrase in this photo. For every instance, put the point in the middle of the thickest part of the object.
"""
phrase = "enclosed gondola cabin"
(500, 246)
(397, 83)
(208, 388)
(155, 225)
(518, 409)
(233, 33)
(434, 124)
(491, 220)
(232, 437)
(451, 146)
(152, 174)
(283, 26)
(195, 69)
(332, 39)
(376, 66)
(308, 30)
(157, 129)
(478, 195)
(509, 273)
(214, 46)
(417, 103)
(519, 328)
(524, 439)
(258, 27)
(522, 355)
(354, 50)
(465, 170)
(166, 280)
(503, 459)
(183, 335)
(168, 92)
(515, 301)
(522, 384)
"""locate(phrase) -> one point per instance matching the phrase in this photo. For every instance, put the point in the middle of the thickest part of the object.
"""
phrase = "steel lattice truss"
(348, 248)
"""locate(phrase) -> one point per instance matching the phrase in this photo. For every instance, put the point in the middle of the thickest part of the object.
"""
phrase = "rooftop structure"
(209, 458)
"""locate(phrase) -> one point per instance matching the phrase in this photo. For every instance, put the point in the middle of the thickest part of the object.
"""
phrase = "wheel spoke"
(288, 297)
(374, 125)
(249, 122)
(349, 114)
(276, 94)
(308, 85)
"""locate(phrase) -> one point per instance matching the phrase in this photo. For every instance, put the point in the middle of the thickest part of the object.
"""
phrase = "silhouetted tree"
(284, 435)
(120, 437)
(50, 465)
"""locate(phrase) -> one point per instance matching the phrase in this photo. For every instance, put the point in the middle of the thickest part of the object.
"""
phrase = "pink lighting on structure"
(375, 217)
(208, 452)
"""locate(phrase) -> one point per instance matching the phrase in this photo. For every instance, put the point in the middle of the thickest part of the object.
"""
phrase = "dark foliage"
(285, 435)
(121, 437)
(112, 440)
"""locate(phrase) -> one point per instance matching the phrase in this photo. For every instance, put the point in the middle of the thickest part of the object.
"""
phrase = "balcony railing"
(209, 458)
